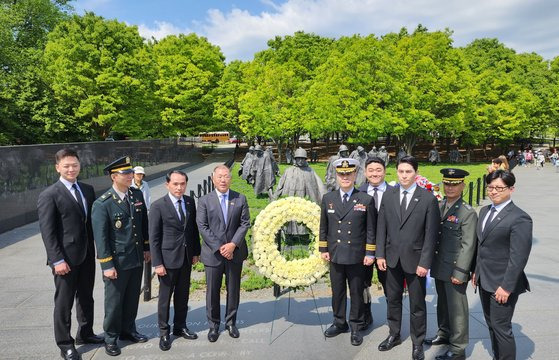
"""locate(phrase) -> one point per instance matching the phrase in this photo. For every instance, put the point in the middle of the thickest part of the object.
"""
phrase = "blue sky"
(243, 27)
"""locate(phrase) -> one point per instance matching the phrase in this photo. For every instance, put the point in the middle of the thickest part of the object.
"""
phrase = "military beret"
(345, 165)
(119, 166)
(453, 175)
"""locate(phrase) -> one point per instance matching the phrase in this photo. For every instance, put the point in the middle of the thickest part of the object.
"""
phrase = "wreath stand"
(278, 292)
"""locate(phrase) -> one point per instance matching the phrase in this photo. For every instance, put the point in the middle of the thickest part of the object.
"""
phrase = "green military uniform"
(454, 253)
(120, 230)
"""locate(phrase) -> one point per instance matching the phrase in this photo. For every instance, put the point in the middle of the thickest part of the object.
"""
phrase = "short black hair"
(168, 176)
(408, 159)
(375, 159)
(497, 161)
(508, 178)
(65, 152)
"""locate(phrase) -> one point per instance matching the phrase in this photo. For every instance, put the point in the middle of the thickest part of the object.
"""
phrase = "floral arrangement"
(270, 262)
(429, 186)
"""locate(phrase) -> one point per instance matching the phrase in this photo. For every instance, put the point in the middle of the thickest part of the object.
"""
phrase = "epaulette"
(466, 205)
(106, 196)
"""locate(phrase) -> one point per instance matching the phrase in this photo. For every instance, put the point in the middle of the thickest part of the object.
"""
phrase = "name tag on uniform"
(331, 211)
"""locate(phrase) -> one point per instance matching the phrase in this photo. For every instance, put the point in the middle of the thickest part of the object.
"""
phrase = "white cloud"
(160, 30)
(525, 26)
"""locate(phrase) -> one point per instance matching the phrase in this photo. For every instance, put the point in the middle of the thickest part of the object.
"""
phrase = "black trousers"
(78, 284)
(380, 274)
(122, 296)
(342, 276)
(177, 284)
(499, 321)
(418, 310)
(214, 277)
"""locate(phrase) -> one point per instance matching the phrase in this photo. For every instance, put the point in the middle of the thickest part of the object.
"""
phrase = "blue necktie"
(224, 207)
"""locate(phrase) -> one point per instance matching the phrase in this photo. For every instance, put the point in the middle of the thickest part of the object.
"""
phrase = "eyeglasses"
(497, 188)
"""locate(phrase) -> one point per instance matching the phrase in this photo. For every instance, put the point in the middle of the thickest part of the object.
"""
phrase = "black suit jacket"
(66, 233)
(503, 250)
(365, 187)
(411, 239)
(215, 232)
(170, 240)
(347, 233)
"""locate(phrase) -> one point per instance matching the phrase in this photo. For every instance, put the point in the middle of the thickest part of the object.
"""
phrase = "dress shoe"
(91, 339)
(165, 342)
(389, 343)
(213, 334)
(356, 338)
(112, 349)
(333, 330)
(185, 333)
(417, 353)
(233, 331)
(135, 337)
(437, 340)
(70, 354)
(449, 355)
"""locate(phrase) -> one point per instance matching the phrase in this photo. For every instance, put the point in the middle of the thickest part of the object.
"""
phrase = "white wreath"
(270, 262)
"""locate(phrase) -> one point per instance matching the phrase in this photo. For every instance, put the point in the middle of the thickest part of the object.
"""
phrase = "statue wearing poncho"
(360, 155)
(262, 172)
(331, 183)
(246, 164)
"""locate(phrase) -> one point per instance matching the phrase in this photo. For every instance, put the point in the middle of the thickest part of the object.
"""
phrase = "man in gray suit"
(504, 235)
(175, 247)
(223, 220)
(452, 264)
(407, 229)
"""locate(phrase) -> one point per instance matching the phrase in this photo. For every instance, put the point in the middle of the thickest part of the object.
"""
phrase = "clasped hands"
(227, 250)
(419, 271)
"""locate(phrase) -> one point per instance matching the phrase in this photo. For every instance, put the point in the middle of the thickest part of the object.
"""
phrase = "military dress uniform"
(454, 253)
(121, 235)
(347, 233)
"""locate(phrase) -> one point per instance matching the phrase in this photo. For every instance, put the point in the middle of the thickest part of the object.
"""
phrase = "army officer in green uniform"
(451, 267)
(120, 229)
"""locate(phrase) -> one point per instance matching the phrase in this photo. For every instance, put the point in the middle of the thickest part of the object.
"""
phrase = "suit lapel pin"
(354, 201)
(415, 199)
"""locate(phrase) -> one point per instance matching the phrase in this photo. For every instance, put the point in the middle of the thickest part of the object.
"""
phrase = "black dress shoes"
(135, 337)
(233, 331)
(185, 333)
(437, 340)
(333, 330)
(91, 339)
(213, 334)
(112, 349)
(356, 338)
(70, 354)
(417, 353)
(165, 342)
(389, 343)
(449, 355)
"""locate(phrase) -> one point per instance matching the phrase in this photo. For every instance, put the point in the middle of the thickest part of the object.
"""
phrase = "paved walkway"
(26, 293)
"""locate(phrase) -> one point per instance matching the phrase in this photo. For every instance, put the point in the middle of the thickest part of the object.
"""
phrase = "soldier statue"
(273, 159)
(246, 164)
(360, 155)
(383, 154)
(434, 156)
(262, 173)
(401, 154)
(288, 156)
(455, 156)
(331, 184)
(373, 153)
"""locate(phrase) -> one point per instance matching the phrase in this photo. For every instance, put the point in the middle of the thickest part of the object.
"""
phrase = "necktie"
(490, 218)
(344, 201)
(224, 206)
(403, 205)
(375, 197)
(79, 198)
(181, 213)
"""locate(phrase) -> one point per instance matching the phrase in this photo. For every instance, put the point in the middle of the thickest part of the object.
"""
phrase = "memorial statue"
(434, 156)
(383, 154)
(275, 165)
(373, 153)
(331, 183)
(262, 172)
(360, 155)
(302, 181)
(288, 156)
(455, 156)
(401, 154)
(246, 165)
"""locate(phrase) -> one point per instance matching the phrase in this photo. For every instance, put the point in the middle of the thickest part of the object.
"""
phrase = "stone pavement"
(26, 293)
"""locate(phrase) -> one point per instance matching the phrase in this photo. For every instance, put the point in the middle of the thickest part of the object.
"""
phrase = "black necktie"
(344, 201)
(490, 218)
(375, 197)
(79, 198)
(403, 205)
(181, 213)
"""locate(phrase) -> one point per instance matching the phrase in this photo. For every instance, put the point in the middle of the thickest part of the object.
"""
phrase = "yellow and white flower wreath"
(270, 262)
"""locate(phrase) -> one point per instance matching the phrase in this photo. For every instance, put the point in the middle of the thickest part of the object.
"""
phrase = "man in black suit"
(223, 220)
(375, 171)
(65, 220)
(175, 247)
(347, 241)
(407, 230)
(504, 235)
